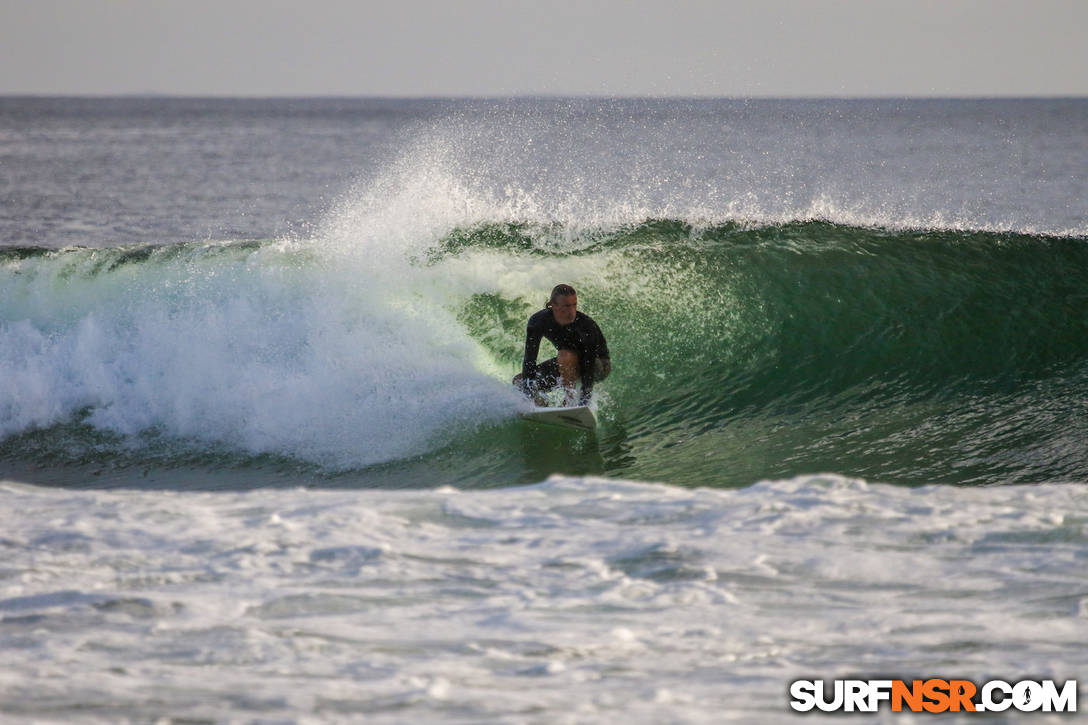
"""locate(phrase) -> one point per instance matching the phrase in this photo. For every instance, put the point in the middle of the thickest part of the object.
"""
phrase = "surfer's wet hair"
(560, 290)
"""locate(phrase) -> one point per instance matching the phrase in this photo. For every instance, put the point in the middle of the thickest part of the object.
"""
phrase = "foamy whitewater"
(260, 460)
(572, 600)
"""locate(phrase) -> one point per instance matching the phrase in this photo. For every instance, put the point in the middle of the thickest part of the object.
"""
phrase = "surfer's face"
(564, 309)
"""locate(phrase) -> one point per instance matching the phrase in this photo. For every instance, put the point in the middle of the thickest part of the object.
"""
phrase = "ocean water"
(260, 460)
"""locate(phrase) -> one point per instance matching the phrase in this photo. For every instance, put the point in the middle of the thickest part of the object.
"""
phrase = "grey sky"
(600, 47)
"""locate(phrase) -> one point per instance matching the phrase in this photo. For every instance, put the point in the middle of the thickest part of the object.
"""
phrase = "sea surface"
(260, 460)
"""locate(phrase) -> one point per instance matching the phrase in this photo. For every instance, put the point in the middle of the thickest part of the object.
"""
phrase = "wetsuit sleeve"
(532, 347)
(598, 349)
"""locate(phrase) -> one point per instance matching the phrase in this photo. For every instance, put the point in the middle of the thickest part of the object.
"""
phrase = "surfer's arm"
(597, 364)
(532, 348)
(600, 363)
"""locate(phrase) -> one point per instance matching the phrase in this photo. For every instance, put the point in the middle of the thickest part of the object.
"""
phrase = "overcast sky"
(550, 47)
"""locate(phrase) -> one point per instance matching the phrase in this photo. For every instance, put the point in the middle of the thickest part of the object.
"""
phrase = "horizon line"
(537, 96)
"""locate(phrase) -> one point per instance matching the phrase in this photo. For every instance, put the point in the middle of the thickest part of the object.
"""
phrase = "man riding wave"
(581, 350)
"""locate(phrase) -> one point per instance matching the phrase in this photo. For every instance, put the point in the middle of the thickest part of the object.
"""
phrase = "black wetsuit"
(583, 336)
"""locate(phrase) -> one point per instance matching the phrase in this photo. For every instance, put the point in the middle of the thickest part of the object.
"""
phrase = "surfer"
(581, 350)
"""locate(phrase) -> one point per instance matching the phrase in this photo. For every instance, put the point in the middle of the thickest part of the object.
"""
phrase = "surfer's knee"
(566, 357)
(568, 366)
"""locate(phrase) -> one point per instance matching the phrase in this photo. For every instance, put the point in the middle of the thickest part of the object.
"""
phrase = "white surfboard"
(574, 417)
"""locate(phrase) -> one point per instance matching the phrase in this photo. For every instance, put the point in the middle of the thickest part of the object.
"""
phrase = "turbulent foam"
(265, 349)
(609, 599)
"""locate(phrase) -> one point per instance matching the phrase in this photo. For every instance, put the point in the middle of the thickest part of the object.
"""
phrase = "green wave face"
(740, 353)
(743, 353)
